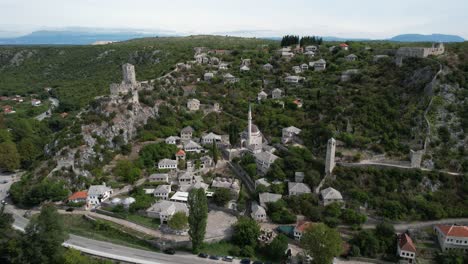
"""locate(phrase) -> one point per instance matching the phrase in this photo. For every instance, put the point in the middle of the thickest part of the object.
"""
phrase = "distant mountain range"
(80, 37)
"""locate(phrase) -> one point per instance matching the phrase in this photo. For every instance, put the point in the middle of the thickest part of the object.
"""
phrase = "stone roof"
(185, 175)
(168, 207)
(167, 162)
(265, 198)
(228, 76)
(212, 135)
(262, 181)
(194, 100)
(227, 183)
(187, 129)
(192, 144)
(298, 187)
(209, 74)
(257, 209)
(96, 190)
(292, 129)
(164, 188)
(321, 61)
(352, 56)
(171, 138)
(244, 68)
(206, 159)
(277, 90)
(158, 176)
(262, 93)
(266, 157)
(331, 194)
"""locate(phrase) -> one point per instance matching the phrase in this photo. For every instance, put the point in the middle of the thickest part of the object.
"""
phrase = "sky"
(262, 18)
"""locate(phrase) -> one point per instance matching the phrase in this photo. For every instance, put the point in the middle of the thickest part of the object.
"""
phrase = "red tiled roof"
(343, 45)
(303, 225)
(406, 243)
(454, 230)
(78, 195)
(181, 152)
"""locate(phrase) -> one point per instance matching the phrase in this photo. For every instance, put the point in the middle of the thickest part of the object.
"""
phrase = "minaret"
(249, 128)
(330, 158)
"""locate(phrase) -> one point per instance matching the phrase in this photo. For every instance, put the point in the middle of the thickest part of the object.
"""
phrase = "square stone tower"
(129, 76)
(330, 158)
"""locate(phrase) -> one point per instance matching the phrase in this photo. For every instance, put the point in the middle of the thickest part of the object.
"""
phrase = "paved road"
(244, 177)
(422, 224)
(53, 104)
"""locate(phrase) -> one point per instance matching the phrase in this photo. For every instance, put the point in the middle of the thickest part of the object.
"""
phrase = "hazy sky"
(344, 18)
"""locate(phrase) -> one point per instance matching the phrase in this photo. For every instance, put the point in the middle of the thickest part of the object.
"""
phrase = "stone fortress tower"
(128, 85)
(330, 158)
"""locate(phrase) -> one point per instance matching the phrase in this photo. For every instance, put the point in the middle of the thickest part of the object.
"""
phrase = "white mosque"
(251, 137)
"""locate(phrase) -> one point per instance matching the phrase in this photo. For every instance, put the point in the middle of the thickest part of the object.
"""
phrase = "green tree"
(246, 232)
(321, 243)
(9, 156)
(127, 171)
(178, 221)
(215, 152)
(367, 242)
(198, 206)
(221, 196)
(43, 238)
(277, 248)
(152, 153)
(28, 152)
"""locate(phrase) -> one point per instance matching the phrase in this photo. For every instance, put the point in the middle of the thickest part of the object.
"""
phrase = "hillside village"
(237, 124)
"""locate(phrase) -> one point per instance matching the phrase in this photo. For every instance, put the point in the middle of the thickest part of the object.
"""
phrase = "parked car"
(245, 261)
(70, 209)
(215, 257)
(228, 258)
(203, 255)
(169, 251)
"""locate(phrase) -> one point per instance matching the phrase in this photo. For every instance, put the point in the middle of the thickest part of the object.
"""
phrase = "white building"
(193, 104)
(192, 146)
(244, 68)
(164, 210)
(452, 237)
(162, 191)
(210, 138)
(406, 249)
(311, 48)
(159, 177)
(298, 188)
(262, 182)
(304, 67)
(208, 76)
(268, 67)
(264, 160)
(97, 194)
(262, 96)
(297, 69)
(36, 102)
(266, 198)
(351, 58)
(167, 164)
(186, 133)
(206, 162)
(330, 156)
(181, 197)
(319, 65)
(330, 195)
(293, 79)
(229, 78)
(172, 140)
(277, 93)
(289, 134)
(258, 213)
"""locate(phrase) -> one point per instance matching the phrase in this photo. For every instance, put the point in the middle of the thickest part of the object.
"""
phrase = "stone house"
(351, 58)
(206, 162)
(258, 213)
(159, 177)
(208, 76)
(180, 155)
(223, 66)
(210, 138)
(78, 197)
(97, 194)
(344, 46)
(172, 140)
(267, 67)
(164, 210)
(277, 93)
(36, 102)
(262, 182)
(244, 68)
(296, 69)
(298, 188)
(264, 160)
(262, 96)
(266, 198)
(229, 78)
(289, 134)
(346, 75)
(193, 104)
(319, 65)
(167, 164)
(186, 177)
(162, 191)
(293, 79)
(226, 183)
(192, 146)
(304, 67)
(312, 48)
(330, 195)
(309, 54)
(186, 133)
